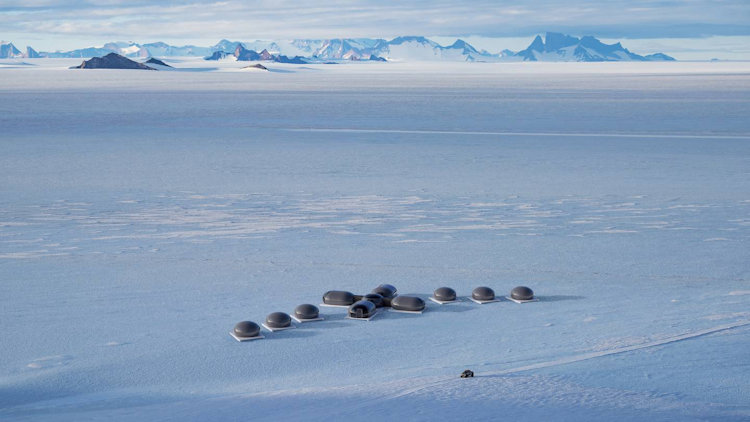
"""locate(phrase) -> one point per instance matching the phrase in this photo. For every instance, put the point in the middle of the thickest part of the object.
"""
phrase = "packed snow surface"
(143, 214)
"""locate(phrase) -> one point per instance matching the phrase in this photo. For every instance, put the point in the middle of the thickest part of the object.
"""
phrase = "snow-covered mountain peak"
(9, 51)
(413, 39)
(556, 41)
(537, 44)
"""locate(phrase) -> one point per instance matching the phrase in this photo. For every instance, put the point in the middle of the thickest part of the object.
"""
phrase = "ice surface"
(143, 214)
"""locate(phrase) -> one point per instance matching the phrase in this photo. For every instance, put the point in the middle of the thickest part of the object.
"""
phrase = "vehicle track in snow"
(617, 350)
(423, 384)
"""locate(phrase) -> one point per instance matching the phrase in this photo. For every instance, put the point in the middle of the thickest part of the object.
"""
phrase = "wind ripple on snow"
(65, 227)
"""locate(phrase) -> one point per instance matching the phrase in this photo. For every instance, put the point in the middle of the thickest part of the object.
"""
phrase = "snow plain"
(142, 214)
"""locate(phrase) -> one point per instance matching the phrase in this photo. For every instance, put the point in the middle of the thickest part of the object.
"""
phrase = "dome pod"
(362, 310)
(522, 293)
(444, 294)
(407, 303)
(386, 290)
(278, 320)
(338, 297)
(246, 329)
(483, 293)
(306, 311)
(374, 298)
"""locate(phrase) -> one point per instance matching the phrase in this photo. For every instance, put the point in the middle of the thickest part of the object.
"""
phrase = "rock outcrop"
(112, 61)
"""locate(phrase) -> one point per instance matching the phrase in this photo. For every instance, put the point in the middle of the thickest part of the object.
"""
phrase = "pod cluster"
(366, 306)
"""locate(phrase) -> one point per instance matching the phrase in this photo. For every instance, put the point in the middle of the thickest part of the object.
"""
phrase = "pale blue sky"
(49, 24)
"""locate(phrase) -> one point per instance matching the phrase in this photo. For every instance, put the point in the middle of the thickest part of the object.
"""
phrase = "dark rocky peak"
(112, 61)
(265, 55)
(256, 66)
(217, 55)
(293, 60)
(156, 61)
(245, 55)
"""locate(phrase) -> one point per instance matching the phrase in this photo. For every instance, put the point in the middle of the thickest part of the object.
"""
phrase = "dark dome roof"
(362, 309)
(246, 329)
(306, 311)
(444, 293)
(385, 290)
(338, 297)
(407, 303)
(483, 293)
(522, 293)
(278, 320)
(374, 298)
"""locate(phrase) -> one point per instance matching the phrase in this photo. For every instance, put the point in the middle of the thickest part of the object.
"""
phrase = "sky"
(61, 25)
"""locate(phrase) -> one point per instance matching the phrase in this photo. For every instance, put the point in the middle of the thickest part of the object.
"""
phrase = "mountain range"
(559, 47)
(243, 54)
(554, 47)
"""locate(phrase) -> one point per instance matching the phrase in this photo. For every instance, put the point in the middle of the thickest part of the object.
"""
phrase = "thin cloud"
(285, 19)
